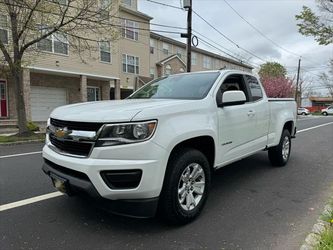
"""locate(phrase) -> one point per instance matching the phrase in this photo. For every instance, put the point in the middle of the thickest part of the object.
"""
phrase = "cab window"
(234, 82)
(254, 86)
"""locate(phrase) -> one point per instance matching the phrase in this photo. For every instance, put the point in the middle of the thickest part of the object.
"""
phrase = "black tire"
(303, 113)
(275, 154)
(325, 113)
(170, 208)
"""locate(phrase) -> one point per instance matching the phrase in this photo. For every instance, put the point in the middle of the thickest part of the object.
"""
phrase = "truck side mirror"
(233, 97)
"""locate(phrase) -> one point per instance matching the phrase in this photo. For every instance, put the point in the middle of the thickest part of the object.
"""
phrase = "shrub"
(32, 126)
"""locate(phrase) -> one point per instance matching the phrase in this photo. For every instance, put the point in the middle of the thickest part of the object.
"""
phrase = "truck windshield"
(183, 86)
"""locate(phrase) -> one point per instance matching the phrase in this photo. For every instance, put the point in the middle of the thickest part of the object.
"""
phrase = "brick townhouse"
(59, 76)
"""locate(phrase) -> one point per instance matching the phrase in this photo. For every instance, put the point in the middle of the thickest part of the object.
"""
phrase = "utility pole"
(188, 6)
(297, 81)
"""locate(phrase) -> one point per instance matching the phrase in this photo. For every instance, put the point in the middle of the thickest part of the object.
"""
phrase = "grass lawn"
(14, 138)
(326, 240)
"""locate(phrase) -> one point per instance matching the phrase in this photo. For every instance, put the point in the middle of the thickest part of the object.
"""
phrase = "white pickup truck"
(156, 150)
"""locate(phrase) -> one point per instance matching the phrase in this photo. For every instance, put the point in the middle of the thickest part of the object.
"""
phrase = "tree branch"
(6, 54)
(55, 29)
(32, 10)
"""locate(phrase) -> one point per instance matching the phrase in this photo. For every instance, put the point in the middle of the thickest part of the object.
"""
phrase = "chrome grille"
(84, 126)
(71, 147)
(72, 138)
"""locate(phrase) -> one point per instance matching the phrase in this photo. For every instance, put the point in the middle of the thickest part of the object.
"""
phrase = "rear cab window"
(254, 88)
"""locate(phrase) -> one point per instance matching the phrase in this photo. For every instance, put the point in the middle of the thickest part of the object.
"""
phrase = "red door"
(3, 99)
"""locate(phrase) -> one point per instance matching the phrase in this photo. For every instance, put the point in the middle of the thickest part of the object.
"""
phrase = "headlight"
(125, 133)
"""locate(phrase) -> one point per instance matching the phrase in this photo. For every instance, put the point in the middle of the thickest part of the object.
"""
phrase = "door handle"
(251, 113)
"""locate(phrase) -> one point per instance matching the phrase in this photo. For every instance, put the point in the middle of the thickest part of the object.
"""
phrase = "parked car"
(303, 111)
(327, 111)
(157, 149)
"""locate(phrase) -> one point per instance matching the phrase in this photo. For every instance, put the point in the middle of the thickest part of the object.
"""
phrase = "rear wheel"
(279, 155)
(325, 113)
(186, 186)
(303, 113)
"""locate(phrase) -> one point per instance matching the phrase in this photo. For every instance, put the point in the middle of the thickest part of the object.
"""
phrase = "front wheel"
(186, 186)
(325, 113)
(279, 155)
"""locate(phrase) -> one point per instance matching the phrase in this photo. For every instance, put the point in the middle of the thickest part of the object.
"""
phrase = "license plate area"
(60, 183)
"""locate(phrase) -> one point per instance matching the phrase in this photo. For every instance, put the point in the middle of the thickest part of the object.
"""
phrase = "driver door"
(237, 123)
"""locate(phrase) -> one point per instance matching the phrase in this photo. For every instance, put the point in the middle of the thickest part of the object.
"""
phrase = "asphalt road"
(251, 205)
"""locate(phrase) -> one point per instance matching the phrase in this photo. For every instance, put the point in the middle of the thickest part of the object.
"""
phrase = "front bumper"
(80, 183)
(148, 157)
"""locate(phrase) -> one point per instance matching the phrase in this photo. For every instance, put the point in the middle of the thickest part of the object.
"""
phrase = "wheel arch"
(204, 144)
(289, 125)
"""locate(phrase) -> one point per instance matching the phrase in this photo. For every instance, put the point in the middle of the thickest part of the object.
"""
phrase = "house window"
(180, 52)
(207, 62)
(168, 70)
(130, 64)
(130, 30)
(60, 43)
(152, 46)
(165, 48)
(127, 2)
(105, 51)
(93, 94)
(194, 58)
(55, 43)
(152, 72)
(104, 7)
(4, 29)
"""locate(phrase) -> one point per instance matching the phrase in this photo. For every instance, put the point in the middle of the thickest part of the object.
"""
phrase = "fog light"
(122, 179)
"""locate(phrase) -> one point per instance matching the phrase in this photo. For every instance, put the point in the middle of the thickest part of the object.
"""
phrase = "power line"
(97, 13)
(164, 4)
(212, 46)
(113, 25)
(202, 35)
(260, 32)
(265, 36)
(229, 53)
(227, 38)
(108, 23)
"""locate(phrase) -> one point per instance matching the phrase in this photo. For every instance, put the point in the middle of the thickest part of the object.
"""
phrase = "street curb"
(313, 238)
(20, 142)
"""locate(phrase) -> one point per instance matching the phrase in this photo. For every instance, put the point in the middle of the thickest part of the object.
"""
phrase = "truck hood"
(111, 111)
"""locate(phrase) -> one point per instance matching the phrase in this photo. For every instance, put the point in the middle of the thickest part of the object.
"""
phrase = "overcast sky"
(274, 18)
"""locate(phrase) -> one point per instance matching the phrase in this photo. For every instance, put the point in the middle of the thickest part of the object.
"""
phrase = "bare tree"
(31, 22)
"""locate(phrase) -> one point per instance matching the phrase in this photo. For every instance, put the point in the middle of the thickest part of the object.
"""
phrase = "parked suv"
(303, 111)
(327, 111)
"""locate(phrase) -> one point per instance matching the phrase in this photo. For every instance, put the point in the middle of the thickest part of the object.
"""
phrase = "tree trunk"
(17, 76)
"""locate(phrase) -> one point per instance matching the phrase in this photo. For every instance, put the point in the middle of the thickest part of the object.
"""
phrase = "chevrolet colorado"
(156, 150)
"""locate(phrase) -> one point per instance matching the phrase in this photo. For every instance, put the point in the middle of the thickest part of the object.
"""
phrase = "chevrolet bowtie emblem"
(62, 132)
